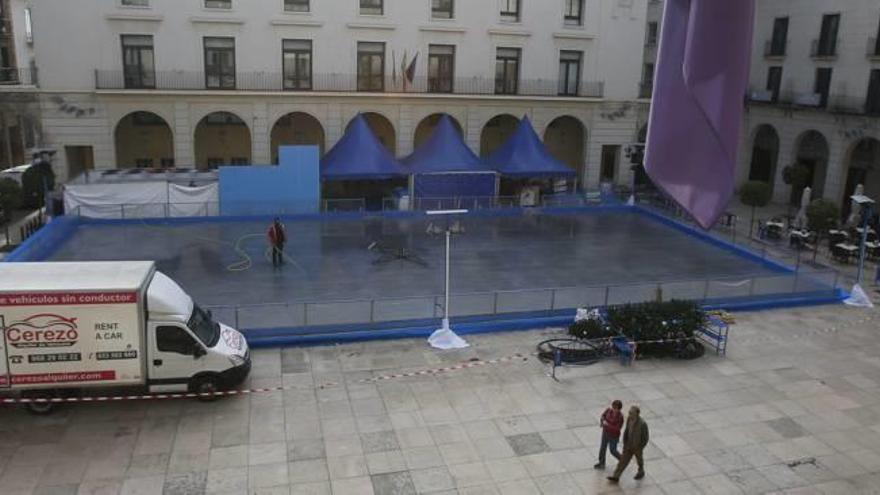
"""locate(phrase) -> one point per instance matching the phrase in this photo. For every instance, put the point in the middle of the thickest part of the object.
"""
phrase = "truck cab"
(187, 349)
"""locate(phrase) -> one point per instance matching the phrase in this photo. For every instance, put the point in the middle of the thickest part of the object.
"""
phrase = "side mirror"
(198, 351)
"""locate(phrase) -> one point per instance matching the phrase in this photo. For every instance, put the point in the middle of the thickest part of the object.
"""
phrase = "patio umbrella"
(854, 209)
(801, 219)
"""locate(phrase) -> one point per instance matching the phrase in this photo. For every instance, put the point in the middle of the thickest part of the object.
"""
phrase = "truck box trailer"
(68, 327)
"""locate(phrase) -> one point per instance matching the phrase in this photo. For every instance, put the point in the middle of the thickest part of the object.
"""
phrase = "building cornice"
(296, 23)
(371, 25)
(216, 20)
(443, 29)
(134, 17)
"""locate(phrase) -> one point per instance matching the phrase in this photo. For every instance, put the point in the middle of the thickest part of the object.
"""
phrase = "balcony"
(774, 50)
(873, 49)
(823, 51)
(646, 88)
(341, 83)
(13, 76)
(854, 105)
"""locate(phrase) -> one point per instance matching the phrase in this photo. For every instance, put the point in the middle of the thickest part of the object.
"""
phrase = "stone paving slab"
(793, 409)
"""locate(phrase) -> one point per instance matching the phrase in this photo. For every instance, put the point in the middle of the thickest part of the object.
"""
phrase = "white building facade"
(814, 100)
(199, 83)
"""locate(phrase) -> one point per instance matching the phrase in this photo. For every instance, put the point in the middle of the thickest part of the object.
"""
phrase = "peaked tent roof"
(444, 151)
(524, 155)
(360, 155)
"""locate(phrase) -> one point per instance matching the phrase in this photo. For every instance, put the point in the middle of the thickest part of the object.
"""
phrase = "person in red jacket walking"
(611, 423)
(277, 237)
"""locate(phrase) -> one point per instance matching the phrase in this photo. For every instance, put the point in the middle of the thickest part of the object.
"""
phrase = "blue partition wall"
(292, 187)
(477, 186)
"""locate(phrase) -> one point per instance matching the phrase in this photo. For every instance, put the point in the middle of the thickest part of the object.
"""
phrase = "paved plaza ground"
(793, 408)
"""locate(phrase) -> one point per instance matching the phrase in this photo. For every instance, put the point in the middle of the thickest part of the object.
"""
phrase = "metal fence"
(275, 81)
(303, 315)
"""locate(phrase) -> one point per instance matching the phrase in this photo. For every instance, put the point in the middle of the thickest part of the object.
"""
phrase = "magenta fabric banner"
(697, 105)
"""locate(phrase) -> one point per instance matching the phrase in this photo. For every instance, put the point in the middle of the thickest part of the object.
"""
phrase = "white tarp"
(858, 298)
(140, 200)
(197, 201)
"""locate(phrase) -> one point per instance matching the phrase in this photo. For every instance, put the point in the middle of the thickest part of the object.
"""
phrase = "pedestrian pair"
(635, 439)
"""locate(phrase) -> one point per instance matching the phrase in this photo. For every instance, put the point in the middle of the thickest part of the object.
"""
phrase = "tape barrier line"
(252, 391)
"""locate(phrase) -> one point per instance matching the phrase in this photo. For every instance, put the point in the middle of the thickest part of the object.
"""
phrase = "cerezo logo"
(42, 330)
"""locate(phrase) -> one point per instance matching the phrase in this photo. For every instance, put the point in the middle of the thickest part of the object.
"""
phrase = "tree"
(10, 199)
(756, 194)
(35, 181)
(821, 216)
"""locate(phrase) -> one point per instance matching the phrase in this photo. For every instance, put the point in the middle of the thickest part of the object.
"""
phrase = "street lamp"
(446, 214)
(865, 203)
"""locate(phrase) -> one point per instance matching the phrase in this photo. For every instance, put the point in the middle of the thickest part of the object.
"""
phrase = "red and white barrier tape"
(251, 391)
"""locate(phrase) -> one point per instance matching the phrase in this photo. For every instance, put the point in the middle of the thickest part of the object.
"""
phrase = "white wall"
(611, 37)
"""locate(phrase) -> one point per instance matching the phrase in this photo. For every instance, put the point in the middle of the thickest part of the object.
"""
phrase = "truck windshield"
(204, 327)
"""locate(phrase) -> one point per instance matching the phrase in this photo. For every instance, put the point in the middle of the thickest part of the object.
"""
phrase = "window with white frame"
(507, 71)
(574, 12)
(218, 4)
(372, 7)
(296, 6)
(442, 9)
(510, 10)
(297, 61)
(569, 72)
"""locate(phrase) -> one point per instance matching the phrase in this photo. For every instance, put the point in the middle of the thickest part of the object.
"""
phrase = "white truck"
(68, 327)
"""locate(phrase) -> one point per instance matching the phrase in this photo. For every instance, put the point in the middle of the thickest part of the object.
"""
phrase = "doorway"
(79, 160)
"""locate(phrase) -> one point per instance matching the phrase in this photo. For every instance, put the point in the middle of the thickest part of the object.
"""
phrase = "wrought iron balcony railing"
(276, 81)
(12, 76)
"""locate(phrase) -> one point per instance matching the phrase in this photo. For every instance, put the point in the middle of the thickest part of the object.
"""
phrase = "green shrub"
(591, 329)
(37, 179)
(10, 198)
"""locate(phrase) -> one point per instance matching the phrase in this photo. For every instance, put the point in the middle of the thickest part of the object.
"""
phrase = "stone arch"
(862, 167)
(811, 150)
(495, 132)
(566, 139)
(143, 140)
(222, 138)
(382, 128)
(296, 128)
(426, 127)
(765, 154)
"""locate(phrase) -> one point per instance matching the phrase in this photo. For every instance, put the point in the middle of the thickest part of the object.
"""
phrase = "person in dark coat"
(635, 439)
(277, 237)
(611, 423)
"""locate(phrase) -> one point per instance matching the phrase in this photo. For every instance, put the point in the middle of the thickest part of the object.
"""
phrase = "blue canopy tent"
(524, 156)
(359, 156)
(447, 174)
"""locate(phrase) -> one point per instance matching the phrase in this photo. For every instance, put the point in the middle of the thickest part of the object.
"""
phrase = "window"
(372, 7)
(441, 68)
(138, 66)
(175, 339)
(28, 26)
(136, 3)
(297, 62)
(822, 85)
(218, 4)
(507, 71)
(569, 72)
(651, 37)
(574, 12)
(828, 36)
(780, 37)
(220, 63)
(872, 102)
(371, 66)
(646, 87)
(608, 168)
(296, 5)
(510, 10)
(876, 41)
(442, 9)
(774, 81)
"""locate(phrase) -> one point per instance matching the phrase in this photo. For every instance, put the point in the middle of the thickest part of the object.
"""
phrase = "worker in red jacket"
(277, 237)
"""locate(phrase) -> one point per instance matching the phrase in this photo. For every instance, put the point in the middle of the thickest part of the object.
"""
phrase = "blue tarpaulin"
(359, 155)
(524, 155)
(444, 151)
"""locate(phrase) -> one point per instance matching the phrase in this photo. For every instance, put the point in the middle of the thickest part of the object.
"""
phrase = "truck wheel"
(40, 408)
(206, 385)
